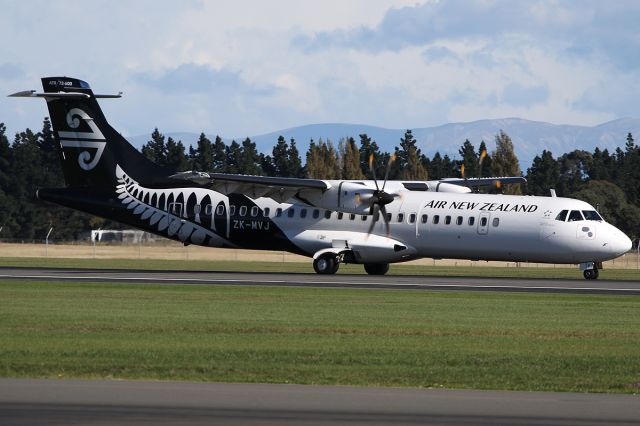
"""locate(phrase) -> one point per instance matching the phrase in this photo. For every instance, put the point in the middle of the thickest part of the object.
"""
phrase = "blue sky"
(247, 67)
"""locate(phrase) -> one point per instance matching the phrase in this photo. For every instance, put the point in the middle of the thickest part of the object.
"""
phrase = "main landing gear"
(590, 270)
(328, 264)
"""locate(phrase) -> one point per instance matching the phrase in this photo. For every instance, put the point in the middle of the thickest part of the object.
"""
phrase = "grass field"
(324, 336)
(298, 267)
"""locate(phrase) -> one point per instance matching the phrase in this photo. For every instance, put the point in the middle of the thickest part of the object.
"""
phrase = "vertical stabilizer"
(90, 148)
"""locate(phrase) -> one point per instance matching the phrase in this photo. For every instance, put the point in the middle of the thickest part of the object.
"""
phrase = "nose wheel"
(590, 274)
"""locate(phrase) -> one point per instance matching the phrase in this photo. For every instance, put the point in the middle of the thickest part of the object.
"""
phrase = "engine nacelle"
(347, 197)
(449, 187)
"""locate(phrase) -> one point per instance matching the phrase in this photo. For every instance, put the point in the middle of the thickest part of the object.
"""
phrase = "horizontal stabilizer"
(59, 95)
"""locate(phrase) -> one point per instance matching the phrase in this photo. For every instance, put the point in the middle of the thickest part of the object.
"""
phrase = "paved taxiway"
(57, 402)
(335, 281)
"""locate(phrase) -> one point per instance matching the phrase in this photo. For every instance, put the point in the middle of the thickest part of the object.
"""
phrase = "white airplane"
(332, 221)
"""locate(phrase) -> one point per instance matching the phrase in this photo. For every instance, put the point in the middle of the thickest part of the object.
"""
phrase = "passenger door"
(483, 223)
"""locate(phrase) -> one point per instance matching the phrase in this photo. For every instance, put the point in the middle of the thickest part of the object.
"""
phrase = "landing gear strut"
(590, 270)
(326, 264)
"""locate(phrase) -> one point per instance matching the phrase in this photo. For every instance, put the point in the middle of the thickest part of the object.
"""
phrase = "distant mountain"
(529, 137)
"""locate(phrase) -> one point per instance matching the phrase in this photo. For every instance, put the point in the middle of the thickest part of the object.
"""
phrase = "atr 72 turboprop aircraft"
(333, 221)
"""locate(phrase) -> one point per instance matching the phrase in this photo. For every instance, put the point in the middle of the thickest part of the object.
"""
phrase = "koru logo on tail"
(93, 140)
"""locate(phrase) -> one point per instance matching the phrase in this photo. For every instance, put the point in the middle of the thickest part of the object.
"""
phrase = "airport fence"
(164, 249)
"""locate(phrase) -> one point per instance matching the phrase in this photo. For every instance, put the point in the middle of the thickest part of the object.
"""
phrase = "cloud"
(200, 79)
(515, 94)
(608, 29)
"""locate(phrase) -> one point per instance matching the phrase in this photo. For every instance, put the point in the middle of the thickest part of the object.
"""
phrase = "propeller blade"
(383, 212)
(374, 219)
(392, 158)
(373, 171)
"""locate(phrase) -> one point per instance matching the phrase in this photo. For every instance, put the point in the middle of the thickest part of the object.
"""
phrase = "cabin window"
(196, 209)
(291, 212)
(496, 222)
(575, 216)
(340, 215)
(424, 218)
(278, 212)
(327, 214)
(447, 220)
(388, 217)
(175, 208)
(254, 211)
(459, 220)
(207, 209)
(266, 212)
(562, 216)
(316, 213)
(591, 215)
(412, 218)
(400, 217)
(436, 219)
(243, 211)
(472, 220)
(232, 210)
(352, 216)
(303, 213)
(483, 221)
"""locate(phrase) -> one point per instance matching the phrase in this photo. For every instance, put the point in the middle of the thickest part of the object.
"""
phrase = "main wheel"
(590, 274)
(326, 264)
(376, 268)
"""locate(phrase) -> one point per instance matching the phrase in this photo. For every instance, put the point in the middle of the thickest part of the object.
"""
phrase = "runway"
(397, 282)
(63, 402)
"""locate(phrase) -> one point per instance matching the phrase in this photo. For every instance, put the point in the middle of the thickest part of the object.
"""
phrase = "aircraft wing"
(279, 189)
(482, 182)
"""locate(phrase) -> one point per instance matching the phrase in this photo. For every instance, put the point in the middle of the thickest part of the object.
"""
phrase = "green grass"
(297, 267)
(324, 336)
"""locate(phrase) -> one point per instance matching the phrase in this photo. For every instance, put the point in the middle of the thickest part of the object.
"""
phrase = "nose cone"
(619, 242)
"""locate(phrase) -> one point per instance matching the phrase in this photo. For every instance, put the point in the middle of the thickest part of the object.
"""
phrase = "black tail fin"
(90, 149)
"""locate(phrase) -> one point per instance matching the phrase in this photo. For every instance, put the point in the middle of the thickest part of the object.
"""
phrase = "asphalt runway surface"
(64, 402)
(95, 402)
(399, 282)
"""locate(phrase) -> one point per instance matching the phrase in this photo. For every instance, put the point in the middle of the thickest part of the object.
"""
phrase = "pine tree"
(281, 157)
(409, 166)
(469, 158)
(350, 160)
(505, 162)
(367, 148)
(155, 149)
(176, 157)
(295, 162)
(486, 162)
(543, 175)
(219, 150)
(203, 154)
(249, 159)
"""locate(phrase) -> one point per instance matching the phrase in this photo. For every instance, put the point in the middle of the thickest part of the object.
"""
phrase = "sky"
(247, 67)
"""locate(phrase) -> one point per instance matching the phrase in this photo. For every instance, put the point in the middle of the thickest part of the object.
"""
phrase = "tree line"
(606, 180)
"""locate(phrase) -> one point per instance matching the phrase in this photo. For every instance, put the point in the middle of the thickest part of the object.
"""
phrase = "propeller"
(379, 198)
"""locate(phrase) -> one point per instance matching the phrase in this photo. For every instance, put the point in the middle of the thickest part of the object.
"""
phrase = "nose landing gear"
(590, 270)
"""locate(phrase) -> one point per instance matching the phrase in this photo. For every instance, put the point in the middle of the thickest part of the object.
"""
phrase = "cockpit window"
(562, 216)
(575, 215)
(591, 215)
